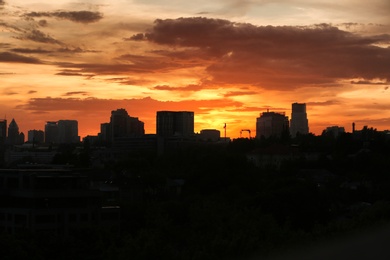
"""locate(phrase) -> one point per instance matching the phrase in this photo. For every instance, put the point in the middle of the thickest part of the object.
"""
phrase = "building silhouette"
(14, 137)
(299, 122)
(3, 132)
(68, 132)
(105, 133)
(51, 132)
(212, 135)
(35, 136)
(271, 124)
(333, 131)
(123, 125)
(175, 123)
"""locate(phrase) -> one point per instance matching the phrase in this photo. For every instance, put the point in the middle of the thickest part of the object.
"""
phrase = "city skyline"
(259, 129)
(228, 61)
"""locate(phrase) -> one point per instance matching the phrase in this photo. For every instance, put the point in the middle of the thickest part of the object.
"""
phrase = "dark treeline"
(225, 207)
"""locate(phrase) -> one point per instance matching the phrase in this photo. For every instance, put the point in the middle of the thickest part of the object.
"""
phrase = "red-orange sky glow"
(228, 61)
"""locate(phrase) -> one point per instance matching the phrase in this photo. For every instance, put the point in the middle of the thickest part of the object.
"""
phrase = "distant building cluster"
(273, 124)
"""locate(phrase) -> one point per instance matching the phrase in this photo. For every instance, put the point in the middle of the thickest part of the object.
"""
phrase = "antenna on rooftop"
(225, 130)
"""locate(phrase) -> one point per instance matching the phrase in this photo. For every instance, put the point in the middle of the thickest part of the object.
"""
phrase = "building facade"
(35, 136)
(299, 122)
(68, 131)
(175, 123)
(3, 132)
(123, 125)
(271, 124)
(51, 132)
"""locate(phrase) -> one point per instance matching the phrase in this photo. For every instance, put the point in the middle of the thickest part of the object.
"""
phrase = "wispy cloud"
(75, 93)
(38, 36)
(74, 16)
(12, 57)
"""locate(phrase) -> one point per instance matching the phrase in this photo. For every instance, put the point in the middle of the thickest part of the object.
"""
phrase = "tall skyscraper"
(51, 132)
(14, 137)
(68, 131)
(299, 122)
(175, 123)
(271, 124)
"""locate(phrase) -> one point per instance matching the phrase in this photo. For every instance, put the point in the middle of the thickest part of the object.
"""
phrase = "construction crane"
(246, 130)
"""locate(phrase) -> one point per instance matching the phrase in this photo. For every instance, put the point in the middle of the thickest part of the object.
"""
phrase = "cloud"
(279, 57)
(29, 51)
(9, 92)
(368, 82)
(32, 92)
(74, 16)
(16, 58)
(83, 93)
(137, 106)
(39, 36)
(324, 103)
(42, 23)
(240, 93)
(191, 87)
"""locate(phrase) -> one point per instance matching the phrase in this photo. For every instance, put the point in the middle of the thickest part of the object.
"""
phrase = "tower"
(14, 137)
(299, 122)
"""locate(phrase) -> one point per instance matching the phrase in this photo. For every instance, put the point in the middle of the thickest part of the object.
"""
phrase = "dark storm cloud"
(16, 58)
(74, 16)
(281, 57)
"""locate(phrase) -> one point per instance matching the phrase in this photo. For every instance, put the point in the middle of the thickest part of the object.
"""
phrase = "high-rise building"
(68, 131)
(51, 132)
(299, 122)
(271, 124)
(105, 132)
(175, 123)
(3, 132)
(35, 136)
(123, 125)
(14, 137)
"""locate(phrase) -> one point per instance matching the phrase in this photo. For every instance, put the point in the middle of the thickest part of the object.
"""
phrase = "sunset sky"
(226, 60)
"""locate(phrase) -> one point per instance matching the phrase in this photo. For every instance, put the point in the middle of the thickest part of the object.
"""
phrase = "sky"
(228, 61)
